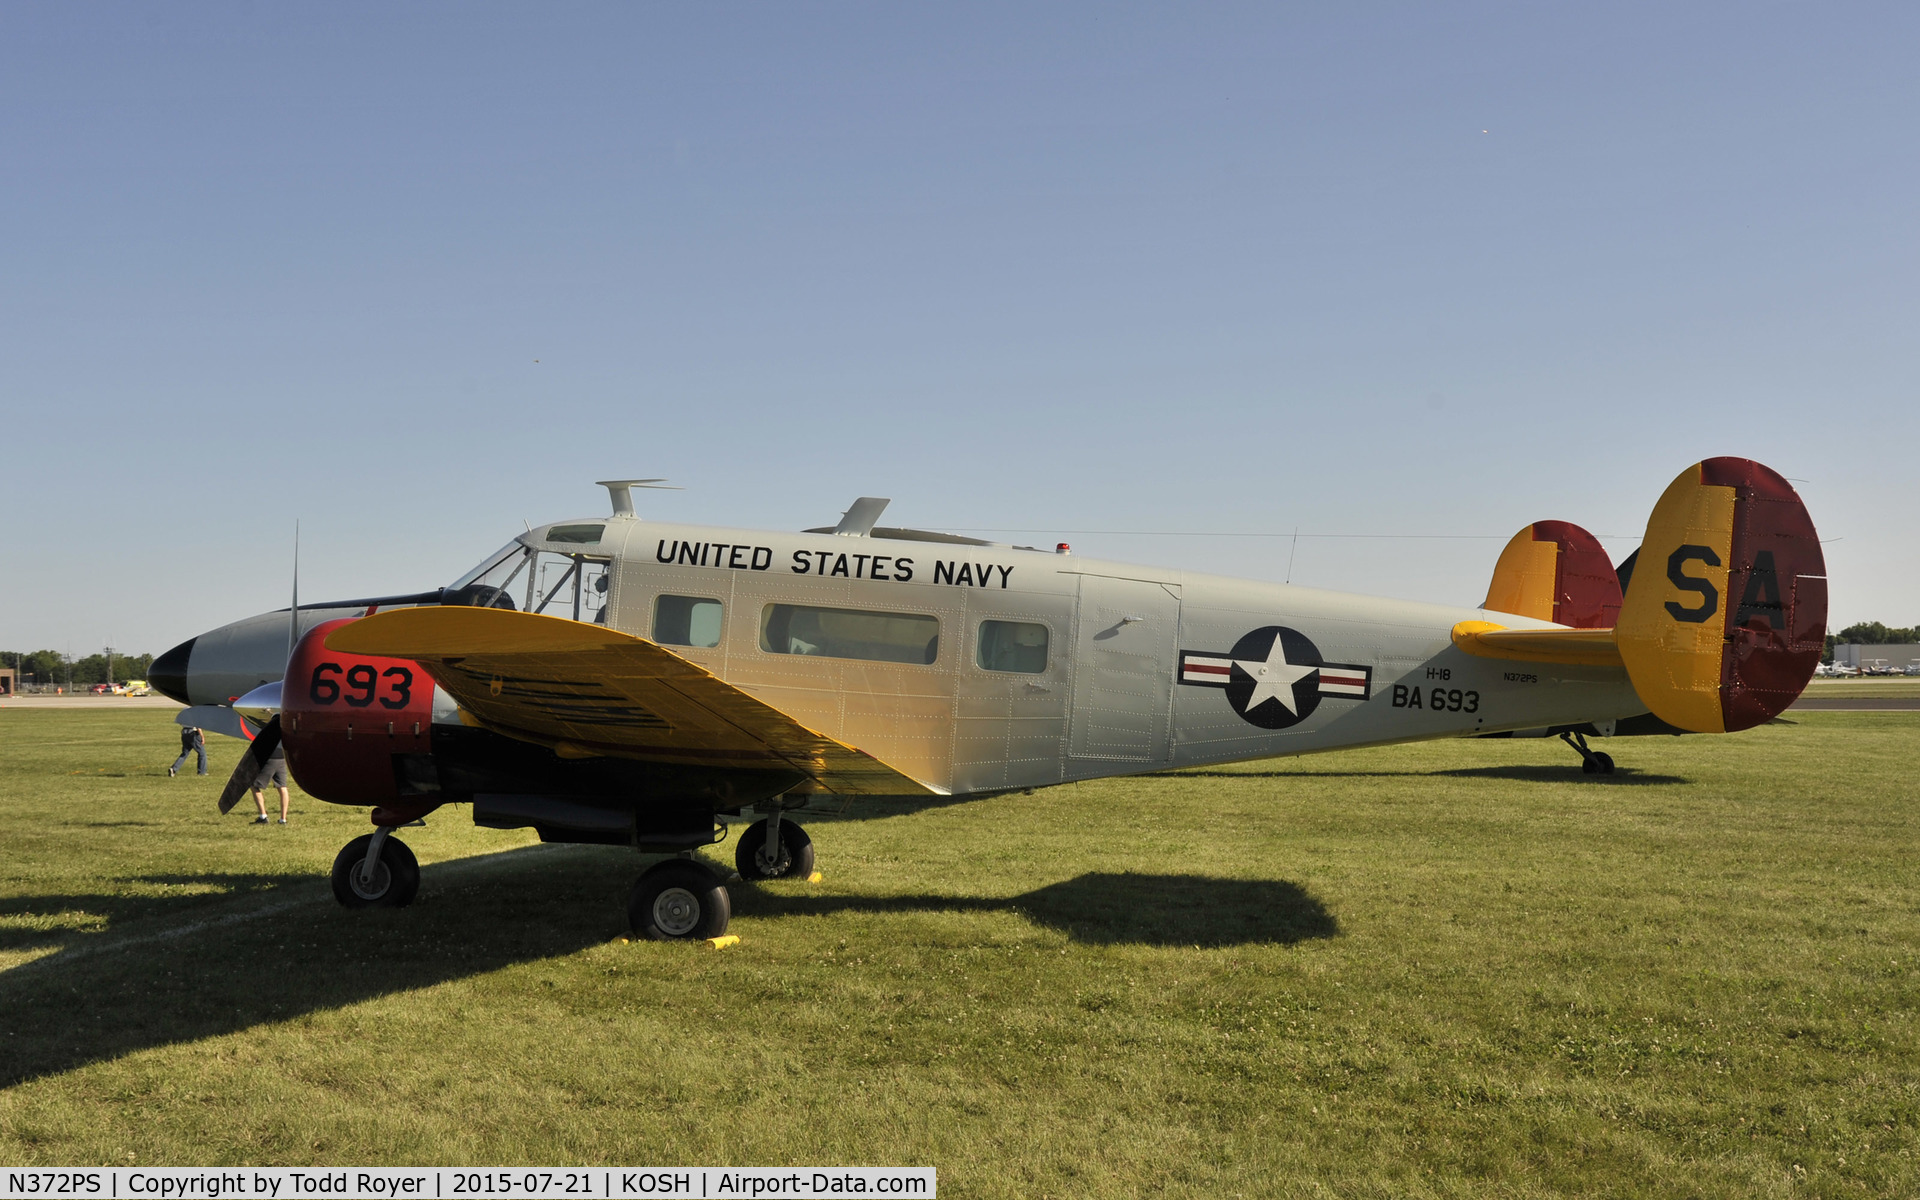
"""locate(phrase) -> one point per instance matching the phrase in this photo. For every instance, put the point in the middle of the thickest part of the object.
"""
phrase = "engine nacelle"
(345, 718)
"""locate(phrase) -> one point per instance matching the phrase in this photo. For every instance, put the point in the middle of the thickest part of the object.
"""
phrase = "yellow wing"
(588, 691)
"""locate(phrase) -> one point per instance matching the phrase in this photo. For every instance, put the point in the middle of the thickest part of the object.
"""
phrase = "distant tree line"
(1873, 633)
(54, 669)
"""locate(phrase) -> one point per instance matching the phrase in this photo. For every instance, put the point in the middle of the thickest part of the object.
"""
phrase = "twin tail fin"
(1719, 618)
(1725, 615)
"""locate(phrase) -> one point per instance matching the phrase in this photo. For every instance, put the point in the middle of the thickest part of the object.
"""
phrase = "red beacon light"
(1062, 548)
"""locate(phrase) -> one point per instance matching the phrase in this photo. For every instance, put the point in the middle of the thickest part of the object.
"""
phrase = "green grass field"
(1855, 687)
(1455, 969)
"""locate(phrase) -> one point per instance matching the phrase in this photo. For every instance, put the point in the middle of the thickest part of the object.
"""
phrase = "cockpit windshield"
(523, 577)
(509, 552)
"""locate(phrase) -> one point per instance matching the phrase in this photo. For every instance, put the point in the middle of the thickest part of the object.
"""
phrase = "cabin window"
(568, 585)
(849, 633)
(578, 535)
(686, 621)
(1013, 646)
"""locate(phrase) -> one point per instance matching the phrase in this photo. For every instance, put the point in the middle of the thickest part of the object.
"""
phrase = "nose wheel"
(375, 870)
(679, 900)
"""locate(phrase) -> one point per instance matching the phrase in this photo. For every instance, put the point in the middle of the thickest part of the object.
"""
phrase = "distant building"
(1867, 658)
(6, 681)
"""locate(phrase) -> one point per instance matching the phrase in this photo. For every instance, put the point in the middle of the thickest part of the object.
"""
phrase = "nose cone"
(168, 674)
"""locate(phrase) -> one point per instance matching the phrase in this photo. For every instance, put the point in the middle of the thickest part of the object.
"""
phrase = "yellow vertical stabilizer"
(1523, 579)
(1726, 610)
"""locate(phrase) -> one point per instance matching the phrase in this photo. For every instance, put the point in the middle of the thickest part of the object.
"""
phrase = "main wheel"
(396, 875)
(791, 859)
(1589, 766)
(679, 900)
(1605, 761)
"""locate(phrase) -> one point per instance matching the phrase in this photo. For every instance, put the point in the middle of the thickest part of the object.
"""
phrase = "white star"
(1274, 678)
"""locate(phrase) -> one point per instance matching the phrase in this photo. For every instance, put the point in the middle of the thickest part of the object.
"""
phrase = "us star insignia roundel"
(1274, 677)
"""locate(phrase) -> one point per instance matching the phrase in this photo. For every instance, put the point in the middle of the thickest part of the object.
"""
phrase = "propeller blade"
(259, 750)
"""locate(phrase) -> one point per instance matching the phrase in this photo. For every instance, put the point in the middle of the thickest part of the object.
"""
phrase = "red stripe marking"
(1209, 670)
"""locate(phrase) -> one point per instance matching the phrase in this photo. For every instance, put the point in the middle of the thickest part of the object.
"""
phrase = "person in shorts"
(273, 773)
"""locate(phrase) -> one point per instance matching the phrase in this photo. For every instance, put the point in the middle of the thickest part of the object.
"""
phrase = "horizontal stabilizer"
(590, 691)
(1582, 647)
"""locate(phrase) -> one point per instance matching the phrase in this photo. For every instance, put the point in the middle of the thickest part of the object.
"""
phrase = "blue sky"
(414, 273)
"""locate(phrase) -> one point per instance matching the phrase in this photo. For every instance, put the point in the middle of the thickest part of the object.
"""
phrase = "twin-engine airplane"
(627, 682)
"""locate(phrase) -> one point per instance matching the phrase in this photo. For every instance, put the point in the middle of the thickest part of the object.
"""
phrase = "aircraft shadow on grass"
(1622, 776)
(161, 969)
(176, 966)
(1107, 909)
(169, 968)
(70, 921)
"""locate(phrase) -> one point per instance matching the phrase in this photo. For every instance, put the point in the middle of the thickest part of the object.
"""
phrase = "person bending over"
(191, 742)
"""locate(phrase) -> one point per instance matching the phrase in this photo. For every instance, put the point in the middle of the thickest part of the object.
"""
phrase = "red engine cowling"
(345, 716)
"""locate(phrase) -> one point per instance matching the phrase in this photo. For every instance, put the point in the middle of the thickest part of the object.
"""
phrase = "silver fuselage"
(1110, 700)
(1123, 686)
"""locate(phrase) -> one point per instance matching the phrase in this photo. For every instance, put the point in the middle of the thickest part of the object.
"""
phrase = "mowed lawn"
(1453, 969)
(1866, 687)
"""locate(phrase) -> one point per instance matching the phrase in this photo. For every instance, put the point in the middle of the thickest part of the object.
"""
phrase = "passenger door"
(1125, 645)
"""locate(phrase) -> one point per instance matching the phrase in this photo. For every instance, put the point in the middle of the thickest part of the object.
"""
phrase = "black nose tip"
(168, 674)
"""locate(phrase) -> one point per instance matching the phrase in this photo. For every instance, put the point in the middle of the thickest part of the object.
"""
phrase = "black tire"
(1589, 767)
(396, 876)
(1605, 761)
(796, 853)
(679, 901)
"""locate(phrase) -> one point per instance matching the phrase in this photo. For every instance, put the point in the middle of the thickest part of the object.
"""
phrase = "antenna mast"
(293, 614)
(621, 492)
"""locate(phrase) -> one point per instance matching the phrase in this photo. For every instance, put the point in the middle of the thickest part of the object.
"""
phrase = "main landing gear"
(677, 900)
(681, 899)
(1592, 762)
(774, 849)
(375, 870)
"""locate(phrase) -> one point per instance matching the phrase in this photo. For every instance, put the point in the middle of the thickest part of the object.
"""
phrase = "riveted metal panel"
(1125, 644)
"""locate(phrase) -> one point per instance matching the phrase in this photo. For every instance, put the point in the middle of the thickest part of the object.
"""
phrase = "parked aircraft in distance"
(630, 682)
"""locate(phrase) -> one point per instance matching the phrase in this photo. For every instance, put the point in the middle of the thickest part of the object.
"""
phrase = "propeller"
(259, 750)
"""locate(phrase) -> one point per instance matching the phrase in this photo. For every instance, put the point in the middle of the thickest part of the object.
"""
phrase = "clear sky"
(414, 273)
